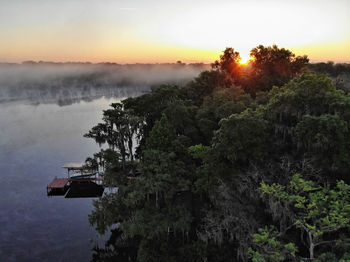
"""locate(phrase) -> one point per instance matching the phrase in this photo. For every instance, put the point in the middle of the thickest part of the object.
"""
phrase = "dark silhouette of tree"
(269, 66)
(273, 66)
(229, 63)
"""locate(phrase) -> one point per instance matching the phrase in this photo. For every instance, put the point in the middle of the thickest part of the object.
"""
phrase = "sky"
(150, 31)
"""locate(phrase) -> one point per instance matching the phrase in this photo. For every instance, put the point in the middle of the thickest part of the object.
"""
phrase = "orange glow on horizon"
(108, 31)
(336, 51)
(149, 52)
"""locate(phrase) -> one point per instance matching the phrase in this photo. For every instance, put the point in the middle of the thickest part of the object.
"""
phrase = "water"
(35, 141)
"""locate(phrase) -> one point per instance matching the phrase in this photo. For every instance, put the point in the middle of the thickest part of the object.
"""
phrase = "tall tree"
(229, 64)
(273, 66)
(320, 212)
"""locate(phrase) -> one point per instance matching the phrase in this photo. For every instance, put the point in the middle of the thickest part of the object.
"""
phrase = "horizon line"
(28, 62)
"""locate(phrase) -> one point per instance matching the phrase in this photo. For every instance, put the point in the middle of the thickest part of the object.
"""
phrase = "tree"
(310, 118)
(269, 249)
(302, 128)
(119, 129)
(325, 138)
(203, 85)
(161, 136)
(202, 151)
(319, 211)
(273, 66)
(229, 61)
(242, 138)
(269, 66)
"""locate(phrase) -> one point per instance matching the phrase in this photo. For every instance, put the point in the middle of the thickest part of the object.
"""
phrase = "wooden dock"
(61, 183)
(59, 186)
(84, 178)
(58, 183)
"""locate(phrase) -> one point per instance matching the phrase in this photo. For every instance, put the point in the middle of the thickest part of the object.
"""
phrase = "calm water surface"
(35, 141)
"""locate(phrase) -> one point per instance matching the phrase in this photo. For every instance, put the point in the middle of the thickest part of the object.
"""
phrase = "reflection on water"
(35, 141)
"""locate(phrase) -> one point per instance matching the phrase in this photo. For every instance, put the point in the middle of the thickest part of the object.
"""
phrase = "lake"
(35, 141)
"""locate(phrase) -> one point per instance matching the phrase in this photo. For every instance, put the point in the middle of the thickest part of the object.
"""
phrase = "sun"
(244, 60)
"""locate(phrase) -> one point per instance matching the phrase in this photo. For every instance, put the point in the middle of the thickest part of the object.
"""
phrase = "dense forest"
(244, 163)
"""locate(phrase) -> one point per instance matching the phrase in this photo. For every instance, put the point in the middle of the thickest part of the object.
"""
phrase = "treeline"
(331, 68)
(340, 73)
(244, 163)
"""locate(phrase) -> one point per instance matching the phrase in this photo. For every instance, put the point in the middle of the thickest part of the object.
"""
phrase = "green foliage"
(345, 258)
(204, 85)
(309, 94)
(324, 136)
(317, 210)
(188, 163)
(331, 257)
(161, 135)
(182, 117)
(205, 181)
(241, 137)
(199, 151)
(269, 249)
(310, 119)
(227, 101)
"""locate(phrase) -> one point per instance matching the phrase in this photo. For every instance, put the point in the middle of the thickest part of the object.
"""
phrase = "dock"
(58, 183)
(59, 186)
(61, 183)
(84, 181)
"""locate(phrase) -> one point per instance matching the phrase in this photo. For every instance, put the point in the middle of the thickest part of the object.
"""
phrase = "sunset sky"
(167, 31)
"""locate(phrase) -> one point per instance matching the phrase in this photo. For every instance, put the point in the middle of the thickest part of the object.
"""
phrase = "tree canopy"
(206, 171)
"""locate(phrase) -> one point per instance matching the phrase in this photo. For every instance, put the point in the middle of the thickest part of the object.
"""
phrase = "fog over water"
(57, 82)
(43, 117)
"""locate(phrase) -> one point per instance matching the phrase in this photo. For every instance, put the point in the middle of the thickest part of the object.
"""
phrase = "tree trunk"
(130, 149)
(311, 247)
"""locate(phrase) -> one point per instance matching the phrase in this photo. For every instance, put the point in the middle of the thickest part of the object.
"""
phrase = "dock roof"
(74, 166)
